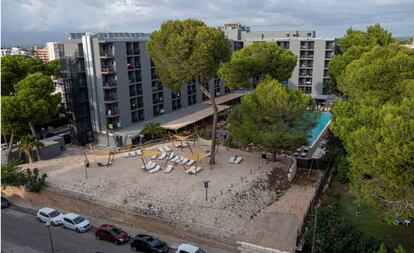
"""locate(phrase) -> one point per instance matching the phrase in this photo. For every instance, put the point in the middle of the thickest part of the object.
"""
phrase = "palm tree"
(153, 129)
(28, 143)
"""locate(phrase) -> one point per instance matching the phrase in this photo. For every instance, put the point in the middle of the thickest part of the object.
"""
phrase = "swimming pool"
(324, 119)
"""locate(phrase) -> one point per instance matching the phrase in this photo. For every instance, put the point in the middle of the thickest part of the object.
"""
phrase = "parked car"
(188, 248)
(112, 234)
(4, 203)
(150, 244)
(76, 222)
(51, 215)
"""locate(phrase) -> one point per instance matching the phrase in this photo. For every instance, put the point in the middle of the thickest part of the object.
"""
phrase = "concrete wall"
(245, 247)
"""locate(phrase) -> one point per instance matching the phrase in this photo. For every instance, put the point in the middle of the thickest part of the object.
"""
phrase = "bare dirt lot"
(237, 195)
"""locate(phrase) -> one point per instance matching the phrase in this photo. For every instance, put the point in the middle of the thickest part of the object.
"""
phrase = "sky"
(34, 22)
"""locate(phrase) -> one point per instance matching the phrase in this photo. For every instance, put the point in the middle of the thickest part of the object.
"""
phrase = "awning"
(192, 118)
(226, 98)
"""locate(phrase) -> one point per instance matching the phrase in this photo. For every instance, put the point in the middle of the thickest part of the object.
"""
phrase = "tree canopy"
(14, 68)
(188, 50)
(353, 45)
(153, 129)
(273, 117)
(35, 100)
(376, 125)
(257, 61)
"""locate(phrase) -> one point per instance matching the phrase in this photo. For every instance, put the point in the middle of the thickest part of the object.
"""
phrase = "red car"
(111, 233)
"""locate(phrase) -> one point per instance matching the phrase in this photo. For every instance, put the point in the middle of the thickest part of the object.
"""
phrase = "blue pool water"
(322, 122)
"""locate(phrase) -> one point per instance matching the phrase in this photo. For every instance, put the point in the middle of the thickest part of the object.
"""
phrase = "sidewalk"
(173, 242)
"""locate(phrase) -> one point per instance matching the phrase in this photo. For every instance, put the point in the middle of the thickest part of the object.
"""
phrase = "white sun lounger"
(198, 169)
(132, 154)
(167, 149)
(175, 159)
(139, 152)
(191, 170)
(149, 166)
(125, 154)
(238, 160)
(185, 144)
(172, 155)
(177, 145)
(156, 169)
(168, 168)
(161, 149)
(191, 162)
(232, 158)
(208, 154)
(153, 157)
(162, 156)
(184, 161)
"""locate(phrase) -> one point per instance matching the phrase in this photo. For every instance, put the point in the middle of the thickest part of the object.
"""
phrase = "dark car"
(112, 234)
(4, 203)
(147, 243)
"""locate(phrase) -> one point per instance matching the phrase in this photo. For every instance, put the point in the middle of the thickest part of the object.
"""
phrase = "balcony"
(106, 54)
(107, 70)
(112, 126)
(109, 85)
(78, 54)
(110, 98)
(110, 113)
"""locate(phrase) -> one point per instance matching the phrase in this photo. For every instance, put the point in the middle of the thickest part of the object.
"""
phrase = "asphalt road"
(22, 233)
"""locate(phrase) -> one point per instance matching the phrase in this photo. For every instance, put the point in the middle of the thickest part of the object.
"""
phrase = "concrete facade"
(313, 53)
(123, 86)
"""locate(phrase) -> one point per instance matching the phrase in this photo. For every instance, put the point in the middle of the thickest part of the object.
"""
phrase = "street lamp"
(50, 236)
(206, 186)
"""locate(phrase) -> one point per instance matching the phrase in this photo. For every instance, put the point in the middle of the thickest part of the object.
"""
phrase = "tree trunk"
(34, 134)
(215, 116)
(10, 148)
(29, 155)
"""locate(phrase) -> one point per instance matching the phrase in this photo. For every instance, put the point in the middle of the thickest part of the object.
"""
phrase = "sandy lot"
(237, 196)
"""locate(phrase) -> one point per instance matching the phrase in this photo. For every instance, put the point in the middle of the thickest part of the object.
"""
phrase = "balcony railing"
(109, 85)
(78, 54)
(110, 98)
(107, 54)
(112, 112)
(107, 70)
(112, 126)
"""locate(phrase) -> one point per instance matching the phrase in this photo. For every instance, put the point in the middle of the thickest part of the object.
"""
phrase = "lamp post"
(50, 236)
(206, 186)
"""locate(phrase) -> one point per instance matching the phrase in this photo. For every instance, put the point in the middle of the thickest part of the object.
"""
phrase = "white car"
(51, 215)
(76, 222)
(188, 248)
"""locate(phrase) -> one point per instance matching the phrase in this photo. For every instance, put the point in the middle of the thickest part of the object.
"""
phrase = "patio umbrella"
(148, 153)
(182, 138)
(197, 156)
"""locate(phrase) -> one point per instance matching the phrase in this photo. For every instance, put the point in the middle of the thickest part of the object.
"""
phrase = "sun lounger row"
(179, 144)
(235, 159)
(164, 149)
(132, 153)
(193, 170)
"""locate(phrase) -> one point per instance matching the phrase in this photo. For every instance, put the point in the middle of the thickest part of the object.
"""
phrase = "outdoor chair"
(172, 155)
(162, 156)
(184, 161)
(190, 162)
(156, 169)
(185, 144)
(161, 149)
(198, 169)
(238, 160)
(139, 152)
(191, 170)
(153, 157)
(125, 154)
(149, 166)
(232, 158)
(133, 154)
(168, 168)
(175, 159)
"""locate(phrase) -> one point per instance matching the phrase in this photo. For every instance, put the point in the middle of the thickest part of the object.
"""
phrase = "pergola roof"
(192, 118)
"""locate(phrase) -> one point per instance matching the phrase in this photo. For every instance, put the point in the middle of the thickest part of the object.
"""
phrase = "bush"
(35, 182)
(12, 175)
(335, 234)
(204, 134)
(231, 143)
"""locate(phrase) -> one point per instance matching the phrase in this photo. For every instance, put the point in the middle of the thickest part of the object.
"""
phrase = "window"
(44, 215)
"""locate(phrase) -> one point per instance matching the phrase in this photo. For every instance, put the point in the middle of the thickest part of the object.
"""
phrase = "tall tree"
(35, 100)
(14, 68)
(52, 68)
(154, 130)
(188, 50)
(273, 117)
(256, 62)
(27, 144)
(353, 45)
(12, 124)
(376, 125)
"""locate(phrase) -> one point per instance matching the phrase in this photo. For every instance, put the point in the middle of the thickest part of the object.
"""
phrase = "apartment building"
(55, 50)
(42, 54)
(313, 54)
(112, 85)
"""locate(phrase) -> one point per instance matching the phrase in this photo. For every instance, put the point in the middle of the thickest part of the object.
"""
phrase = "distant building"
(55, 50)
(41, 53)
(313, 53)
(5, 51)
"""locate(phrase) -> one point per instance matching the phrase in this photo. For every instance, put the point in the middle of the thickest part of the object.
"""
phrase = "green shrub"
(35, 182)
(12, 175)
(231, 143)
